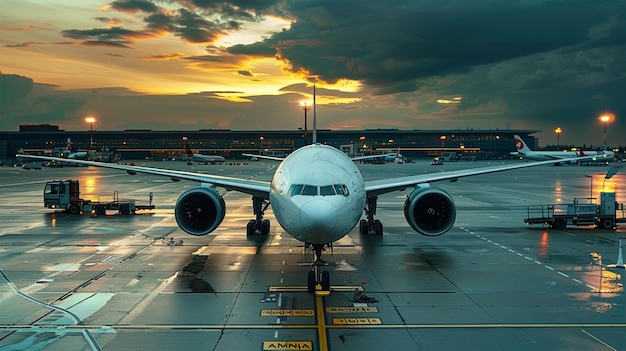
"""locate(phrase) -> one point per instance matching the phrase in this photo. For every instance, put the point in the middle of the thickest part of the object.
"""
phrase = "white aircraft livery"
(523, 151)
(318, 195)
(200, 158)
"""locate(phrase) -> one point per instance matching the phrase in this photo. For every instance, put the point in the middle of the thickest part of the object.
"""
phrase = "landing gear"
(366, 226)
(316, 275)
(259, 224)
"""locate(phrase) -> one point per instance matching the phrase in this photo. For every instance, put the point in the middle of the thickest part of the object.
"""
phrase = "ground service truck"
(582, 212)
(65, 195)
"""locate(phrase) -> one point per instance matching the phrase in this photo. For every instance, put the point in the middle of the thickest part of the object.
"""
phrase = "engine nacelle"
(200, 210)
(430, 211)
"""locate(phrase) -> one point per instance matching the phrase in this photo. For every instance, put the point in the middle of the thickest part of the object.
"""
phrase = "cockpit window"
(314, 190)
(295, 189)
(327, 190)
(341, 189)
(310, 190)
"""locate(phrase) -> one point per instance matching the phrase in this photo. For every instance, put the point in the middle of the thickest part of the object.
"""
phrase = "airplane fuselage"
(207, 158)
(317, 194)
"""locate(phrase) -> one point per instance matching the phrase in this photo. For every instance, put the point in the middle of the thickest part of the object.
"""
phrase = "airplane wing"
(273, 158)
(368, 157)
(358, 158)
(253, 187)
(377, 187)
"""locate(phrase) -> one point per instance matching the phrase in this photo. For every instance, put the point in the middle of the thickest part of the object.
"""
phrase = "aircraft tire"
(311, 282)
(363, 227)
(378, 227)
(265, 227)
(325, 281)
(250, 228)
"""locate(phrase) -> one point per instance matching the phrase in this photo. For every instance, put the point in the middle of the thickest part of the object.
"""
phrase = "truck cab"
(60, 193)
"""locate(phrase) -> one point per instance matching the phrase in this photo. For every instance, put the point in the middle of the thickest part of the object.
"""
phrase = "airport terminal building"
(141, 144)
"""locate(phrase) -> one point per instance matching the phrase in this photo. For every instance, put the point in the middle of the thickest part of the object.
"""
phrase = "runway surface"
(113, 282)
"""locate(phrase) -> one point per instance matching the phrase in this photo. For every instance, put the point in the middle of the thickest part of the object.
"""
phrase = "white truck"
(559, 216)
(65, 195)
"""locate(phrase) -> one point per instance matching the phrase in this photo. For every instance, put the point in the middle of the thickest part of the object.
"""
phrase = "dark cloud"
(245, 10)
(22, 101)
(133, 6)
(113, 37)
(166, 57)
(392, 45)
(14, 89)
(196, 29)
(25, 44)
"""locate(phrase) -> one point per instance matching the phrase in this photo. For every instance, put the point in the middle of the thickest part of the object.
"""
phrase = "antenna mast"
(314, 118)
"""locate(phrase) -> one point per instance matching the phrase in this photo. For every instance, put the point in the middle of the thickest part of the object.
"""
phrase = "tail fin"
(69, 145)
(521, 145)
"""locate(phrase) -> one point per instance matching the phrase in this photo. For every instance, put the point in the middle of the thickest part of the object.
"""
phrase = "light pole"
(605, 118)
(261, 145)
(90, 120)
(558, 131)
(443, 139)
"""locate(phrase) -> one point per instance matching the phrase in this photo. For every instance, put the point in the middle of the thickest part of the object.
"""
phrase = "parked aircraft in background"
(395, 157)
(81, 155)
(200, 158)
(523, 151)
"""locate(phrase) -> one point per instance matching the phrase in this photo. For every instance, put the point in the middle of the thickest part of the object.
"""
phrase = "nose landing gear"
(318, 279)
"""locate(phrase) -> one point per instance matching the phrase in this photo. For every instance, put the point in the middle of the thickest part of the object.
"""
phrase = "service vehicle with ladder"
(65, 195)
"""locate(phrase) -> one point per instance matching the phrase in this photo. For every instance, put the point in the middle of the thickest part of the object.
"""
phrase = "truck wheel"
(560, 224)
(606, 223)
(74, 209)
(100, 210)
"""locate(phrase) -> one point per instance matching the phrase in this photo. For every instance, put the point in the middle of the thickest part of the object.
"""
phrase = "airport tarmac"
(113, 282)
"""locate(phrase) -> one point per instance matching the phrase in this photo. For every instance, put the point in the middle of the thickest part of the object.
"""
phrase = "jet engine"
(200, 210)
(430, 211)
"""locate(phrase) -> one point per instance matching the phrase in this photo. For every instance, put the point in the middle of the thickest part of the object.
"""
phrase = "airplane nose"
(318, 214)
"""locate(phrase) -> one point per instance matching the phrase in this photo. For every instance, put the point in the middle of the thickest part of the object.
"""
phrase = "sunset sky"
(246, 65)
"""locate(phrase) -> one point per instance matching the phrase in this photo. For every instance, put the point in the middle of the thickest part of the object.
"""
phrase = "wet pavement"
(114, 282)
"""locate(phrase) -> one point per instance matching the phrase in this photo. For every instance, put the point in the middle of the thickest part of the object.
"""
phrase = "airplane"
(395, 157)
(523, 151)
(81, 155)
(318, 196)
(200, 158)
